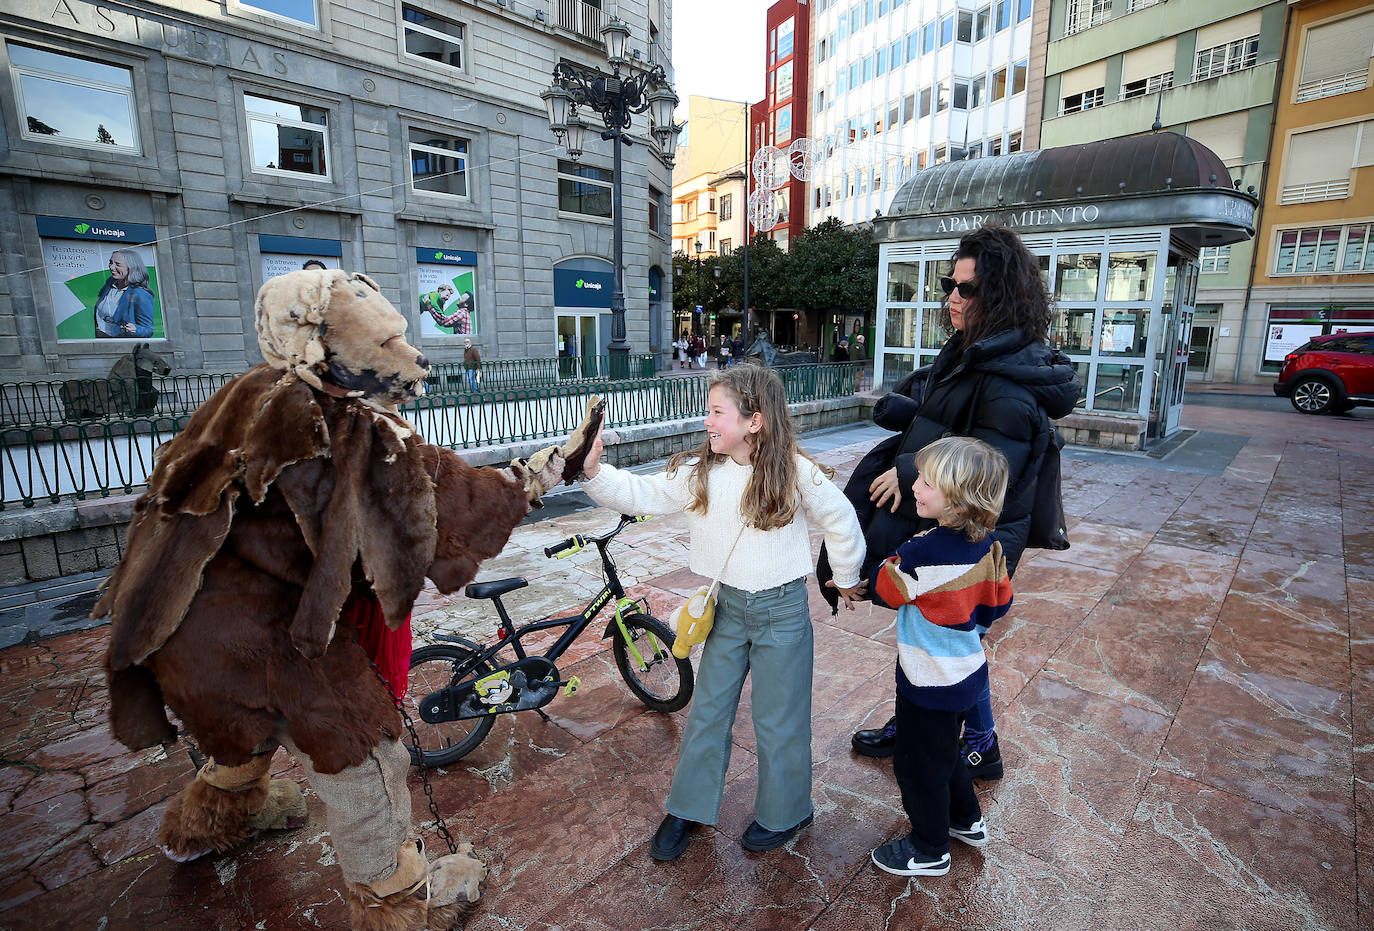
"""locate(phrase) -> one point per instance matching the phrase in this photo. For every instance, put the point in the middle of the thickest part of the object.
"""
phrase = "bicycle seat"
(494, 589)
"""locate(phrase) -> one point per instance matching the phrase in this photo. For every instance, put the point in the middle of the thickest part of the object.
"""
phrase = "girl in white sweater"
(748, 493)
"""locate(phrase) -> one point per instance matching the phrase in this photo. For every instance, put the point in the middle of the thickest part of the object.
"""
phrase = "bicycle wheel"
(432, 668)
(657, 677)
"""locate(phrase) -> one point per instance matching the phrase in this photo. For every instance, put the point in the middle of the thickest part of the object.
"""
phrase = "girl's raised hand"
(592, 465)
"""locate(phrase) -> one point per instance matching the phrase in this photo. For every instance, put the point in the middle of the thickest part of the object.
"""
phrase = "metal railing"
(53, 404)
(1315, 191)
(581, 18)
(87, 459)
(1330, 87)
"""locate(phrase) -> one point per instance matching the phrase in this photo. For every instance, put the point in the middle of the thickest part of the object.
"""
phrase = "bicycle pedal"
(572, 685)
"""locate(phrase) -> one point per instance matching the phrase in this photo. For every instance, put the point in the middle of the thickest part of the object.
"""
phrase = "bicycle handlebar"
(577, 542)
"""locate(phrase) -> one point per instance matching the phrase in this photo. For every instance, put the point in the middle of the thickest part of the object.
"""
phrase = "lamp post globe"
(614, 97)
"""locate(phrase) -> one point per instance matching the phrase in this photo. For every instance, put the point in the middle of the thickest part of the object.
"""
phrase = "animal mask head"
(337, 333)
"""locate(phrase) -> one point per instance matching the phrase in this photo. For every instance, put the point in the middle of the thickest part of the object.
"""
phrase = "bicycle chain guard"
(522, 686)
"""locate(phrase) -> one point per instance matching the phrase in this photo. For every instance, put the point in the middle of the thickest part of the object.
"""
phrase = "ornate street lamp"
(615, 97)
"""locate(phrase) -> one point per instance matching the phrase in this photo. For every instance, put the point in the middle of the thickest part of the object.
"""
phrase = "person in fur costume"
(276, 555)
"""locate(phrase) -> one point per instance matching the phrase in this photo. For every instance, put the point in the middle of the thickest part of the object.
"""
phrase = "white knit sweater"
(763, 558)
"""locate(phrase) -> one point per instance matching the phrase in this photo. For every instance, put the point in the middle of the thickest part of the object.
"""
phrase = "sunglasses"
(966, 288)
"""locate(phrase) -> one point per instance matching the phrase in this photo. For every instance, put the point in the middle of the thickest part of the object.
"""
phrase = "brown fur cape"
(262, 517)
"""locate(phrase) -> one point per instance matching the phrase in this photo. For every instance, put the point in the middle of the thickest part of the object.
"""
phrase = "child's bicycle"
(457, 688)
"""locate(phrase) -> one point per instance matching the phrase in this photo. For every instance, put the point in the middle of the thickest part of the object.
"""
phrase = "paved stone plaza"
(1184, 700)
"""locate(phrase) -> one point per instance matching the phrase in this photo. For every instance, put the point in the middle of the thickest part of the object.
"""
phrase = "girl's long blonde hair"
(772, 497)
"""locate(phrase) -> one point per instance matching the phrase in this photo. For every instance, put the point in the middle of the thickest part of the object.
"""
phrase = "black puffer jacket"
(1018, 385)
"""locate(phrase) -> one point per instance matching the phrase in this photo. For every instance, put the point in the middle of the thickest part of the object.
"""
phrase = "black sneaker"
(901, 859)
(982, 764)
(879, 742)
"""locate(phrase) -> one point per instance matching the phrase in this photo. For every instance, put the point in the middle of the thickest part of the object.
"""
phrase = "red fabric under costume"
(389, 649)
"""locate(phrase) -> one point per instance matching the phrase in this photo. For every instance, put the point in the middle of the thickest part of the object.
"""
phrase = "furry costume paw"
(419, 895)
(224, 806)
(580, 441)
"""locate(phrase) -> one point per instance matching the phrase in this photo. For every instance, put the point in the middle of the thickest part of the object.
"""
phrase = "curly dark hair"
(1011, 294)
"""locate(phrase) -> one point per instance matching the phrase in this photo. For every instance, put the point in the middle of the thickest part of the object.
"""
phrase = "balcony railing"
(1336, 84)
(580, 18)
(1317, 190)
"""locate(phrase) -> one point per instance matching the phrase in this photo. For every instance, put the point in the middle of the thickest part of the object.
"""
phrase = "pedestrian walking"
(472, 365)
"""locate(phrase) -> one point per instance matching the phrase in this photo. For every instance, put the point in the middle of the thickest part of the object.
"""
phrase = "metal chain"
(409, 723)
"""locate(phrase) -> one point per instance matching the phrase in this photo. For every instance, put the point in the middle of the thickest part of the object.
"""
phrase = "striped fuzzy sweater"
(947, 591)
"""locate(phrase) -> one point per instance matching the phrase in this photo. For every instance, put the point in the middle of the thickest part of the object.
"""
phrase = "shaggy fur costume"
(295, 487)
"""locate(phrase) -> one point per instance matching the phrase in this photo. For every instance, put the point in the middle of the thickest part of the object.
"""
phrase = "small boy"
(949, 584)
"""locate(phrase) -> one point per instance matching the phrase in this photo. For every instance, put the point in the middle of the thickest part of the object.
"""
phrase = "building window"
(894, 55)
(1014, 142)
(785, 32)
(1320, 251)
(981, 21)
(964, 28)
(287, 138)
(1084, 14)
(655, 210)
(961, 95)
(928, 38)
(726, 246)
(1215, 260)
(727, 206)
(1023, 10)
(908, 108)
(438, 163)
(586, 189)
(1084, 101)
(947, 30)
(925, 102)
(913, 49)
(784, 74)
(433, 38)
(1004, 14)
(999, 84)
(297, 11)
(942, 97)
(1335, 57)
(1133, 5)
(977, 91)
(1225, 58)
(72, 101)
(1148, 85)
(1018, 77)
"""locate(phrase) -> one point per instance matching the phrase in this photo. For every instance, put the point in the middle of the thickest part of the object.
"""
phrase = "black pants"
(937, 790)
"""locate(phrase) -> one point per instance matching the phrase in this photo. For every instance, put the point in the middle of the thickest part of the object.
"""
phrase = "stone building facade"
(197, 148)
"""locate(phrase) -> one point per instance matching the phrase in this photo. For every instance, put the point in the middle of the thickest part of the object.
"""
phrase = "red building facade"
(782, 115)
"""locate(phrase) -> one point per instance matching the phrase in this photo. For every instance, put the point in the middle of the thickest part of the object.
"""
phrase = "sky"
(718, 49)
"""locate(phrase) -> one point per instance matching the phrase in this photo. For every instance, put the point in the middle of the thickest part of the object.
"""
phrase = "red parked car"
(1329, 373)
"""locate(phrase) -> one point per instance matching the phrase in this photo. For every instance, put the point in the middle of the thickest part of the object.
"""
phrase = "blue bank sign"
(104, 230)
(582, 289)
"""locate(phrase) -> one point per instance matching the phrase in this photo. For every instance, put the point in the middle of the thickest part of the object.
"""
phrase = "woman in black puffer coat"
(995, 379)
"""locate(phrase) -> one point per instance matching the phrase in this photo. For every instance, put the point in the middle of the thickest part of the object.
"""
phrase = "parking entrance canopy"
(1156, 180)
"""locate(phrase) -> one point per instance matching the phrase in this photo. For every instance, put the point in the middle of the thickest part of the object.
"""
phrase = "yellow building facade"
(1314, 249)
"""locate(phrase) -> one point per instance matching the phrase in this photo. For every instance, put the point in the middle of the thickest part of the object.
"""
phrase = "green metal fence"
(36, 404)
(41, 464)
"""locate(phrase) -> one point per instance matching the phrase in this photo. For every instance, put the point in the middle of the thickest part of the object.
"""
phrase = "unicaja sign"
(588, 285)
(84, 228)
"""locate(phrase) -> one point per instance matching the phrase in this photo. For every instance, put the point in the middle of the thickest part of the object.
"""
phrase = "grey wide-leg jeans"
(768, 632)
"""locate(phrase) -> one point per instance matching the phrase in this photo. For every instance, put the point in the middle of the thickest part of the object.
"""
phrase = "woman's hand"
(592, 464)
(886, 486)
(851, 596)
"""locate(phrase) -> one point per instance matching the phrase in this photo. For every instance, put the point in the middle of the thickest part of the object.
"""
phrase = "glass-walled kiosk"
(1116, 225)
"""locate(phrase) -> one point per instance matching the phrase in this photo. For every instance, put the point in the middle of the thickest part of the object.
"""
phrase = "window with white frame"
(434, 38)
(1335, 57)
(438, 163)
(1325, 250)
(73, 101)
(727, 206)
(1150, 85)
(287, 138)
(726, 246)
(1018, 77)
(1084, 101)
(1084, 14)
(655, 210)
(297, 11)
(1226, 58)
(586, 189)
(1319, 164)
(1215, 260)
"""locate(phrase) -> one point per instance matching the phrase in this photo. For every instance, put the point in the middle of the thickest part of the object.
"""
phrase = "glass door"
(1177, 342)
(577, 357)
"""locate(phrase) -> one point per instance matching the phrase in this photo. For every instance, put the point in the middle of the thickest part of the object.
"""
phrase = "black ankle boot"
(880, 741)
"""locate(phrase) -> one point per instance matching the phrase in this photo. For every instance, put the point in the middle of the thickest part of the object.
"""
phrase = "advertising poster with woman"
(102, 286)
(448, 293)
